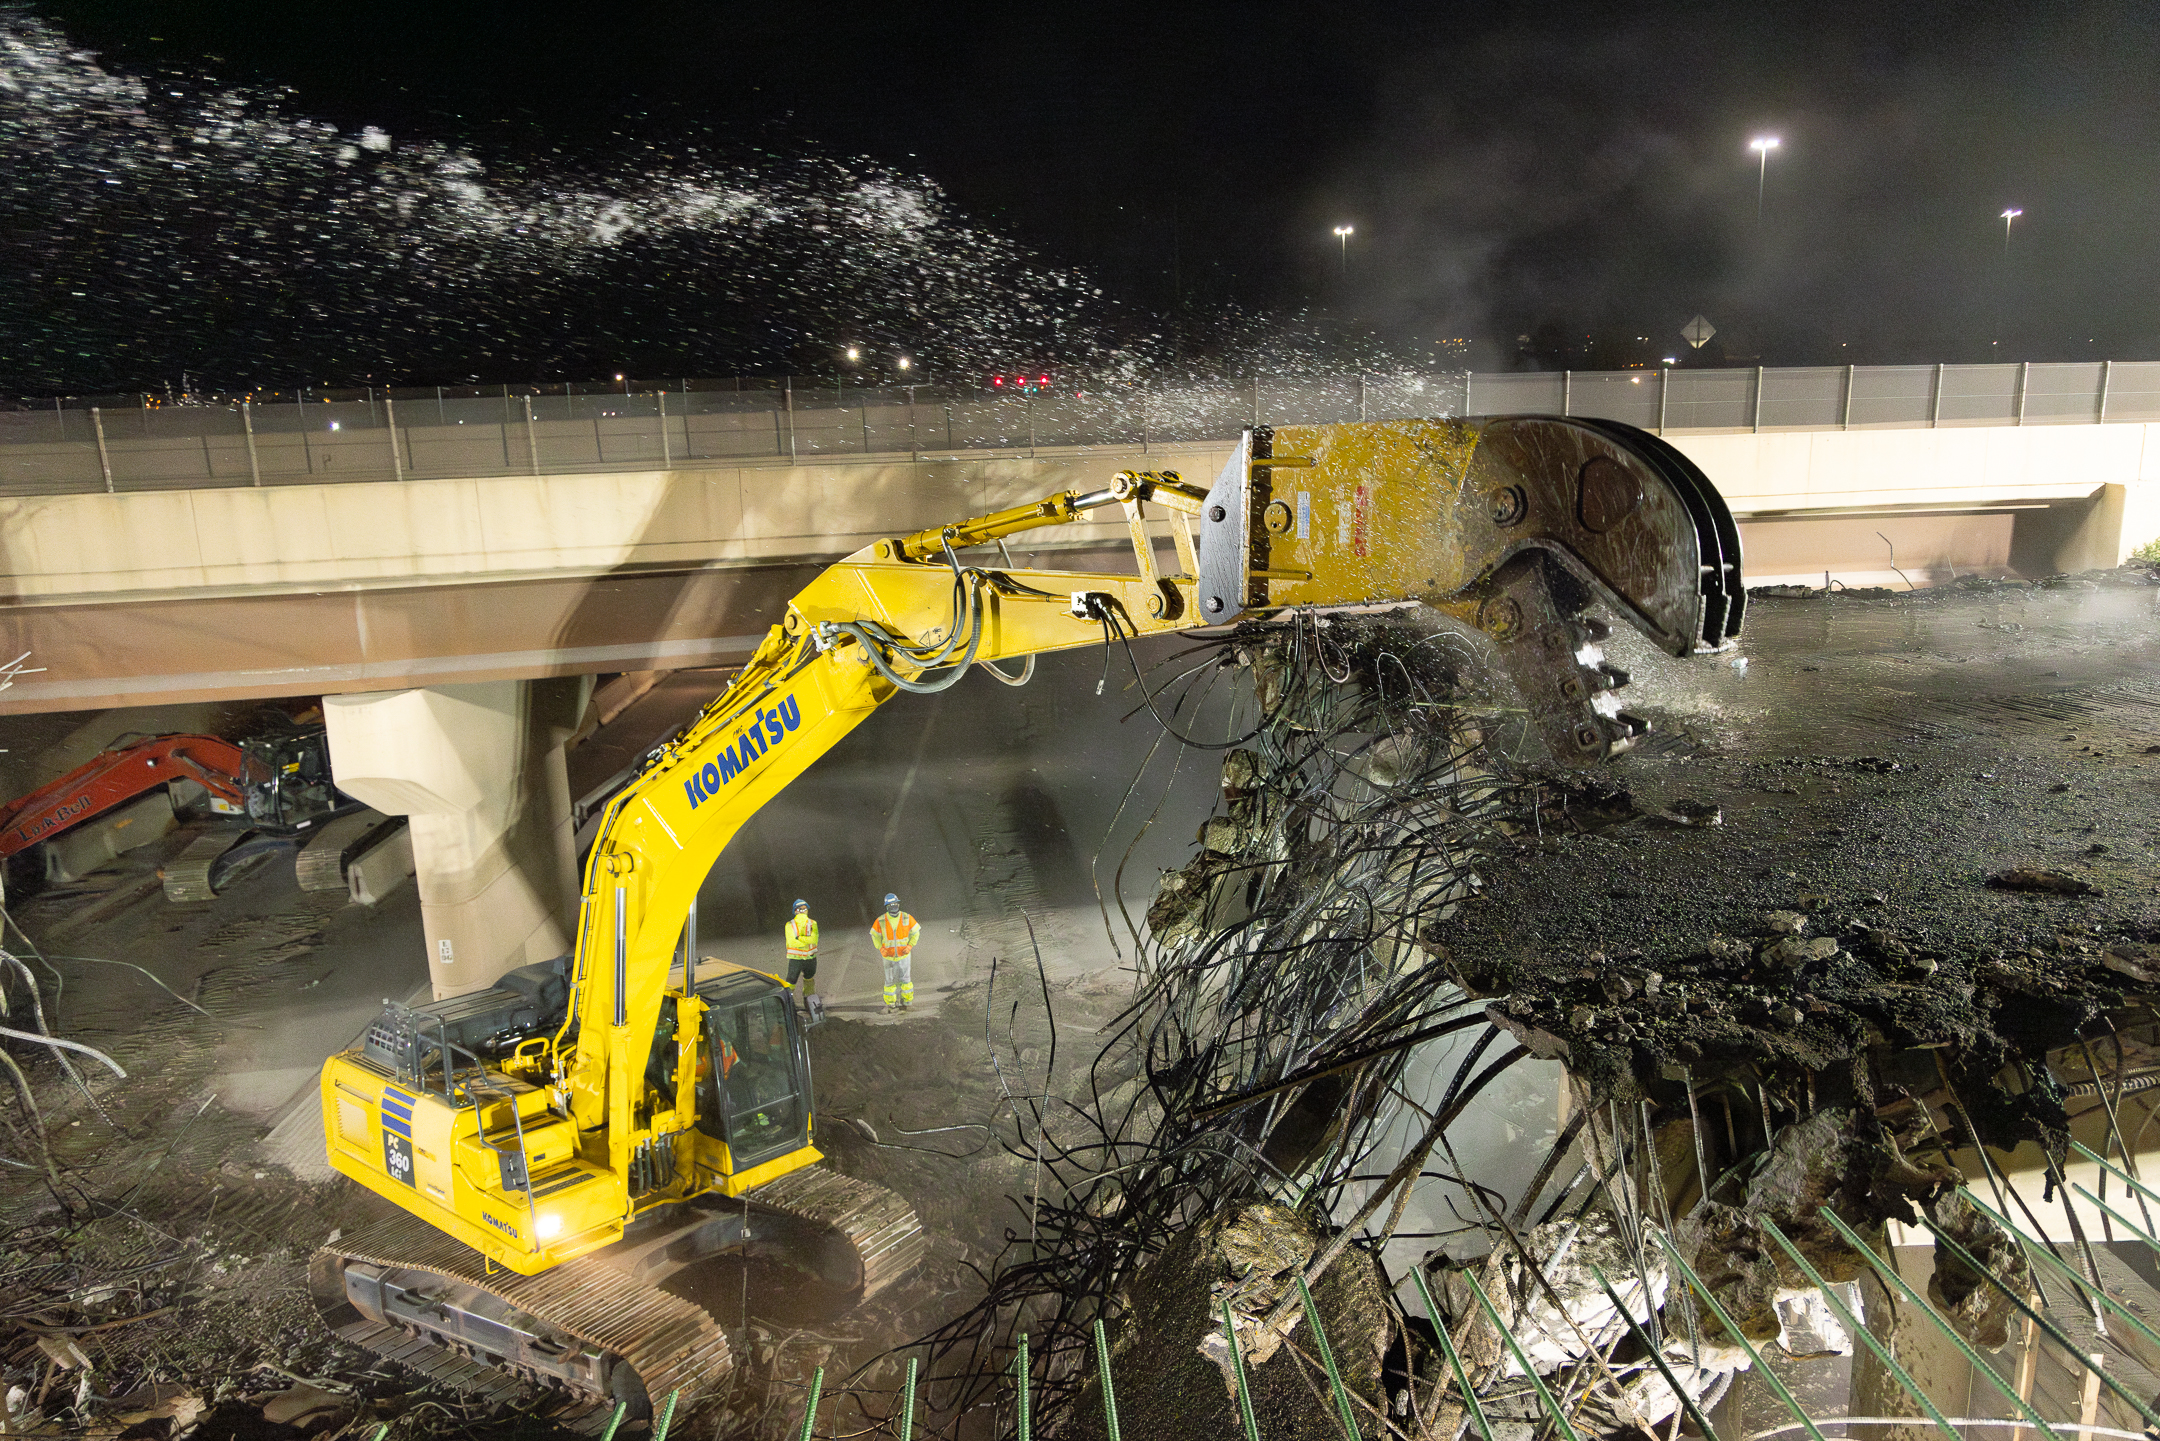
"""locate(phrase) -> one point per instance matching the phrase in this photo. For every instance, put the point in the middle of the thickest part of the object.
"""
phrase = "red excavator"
(280, 783)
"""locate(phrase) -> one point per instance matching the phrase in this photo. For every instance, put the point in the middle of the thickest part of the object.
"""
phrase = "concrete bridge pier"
(479, 770)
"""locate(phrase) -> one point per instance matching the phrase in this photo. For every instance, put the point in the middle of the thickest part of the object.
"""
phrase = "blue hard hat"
(889, 900)
(802, 905)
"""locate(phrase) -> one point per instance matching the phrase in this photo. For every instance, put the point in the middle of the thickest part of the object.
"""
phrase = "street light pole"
(1762, 145)
(2008, 216)
(1343, 234)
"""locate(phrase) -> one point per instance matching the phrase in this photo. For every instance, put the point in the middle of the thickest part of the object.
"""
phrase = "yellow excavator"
(564, 1142)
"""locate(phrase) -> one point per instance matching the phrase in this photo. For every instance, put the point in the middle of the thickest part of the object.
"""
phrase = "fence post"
(532, 438)
(104, 460)
(666, 458)
(2107, 376)
(2024, 379)
(397, 460)
(1361, 397)
(787, 403)
(1935, 406)
(1845, 419)
(864, 408)
(1758, 399)
(1029, 397)
(1143, 420)
(1664, 390)
(1468, 376)
(914, 453)
(1256, 400)
(1567, 391)
(247, 428)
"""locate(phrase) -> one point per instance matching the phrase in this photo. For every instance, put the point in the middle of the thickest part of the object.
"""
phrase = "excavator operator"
(896, 934)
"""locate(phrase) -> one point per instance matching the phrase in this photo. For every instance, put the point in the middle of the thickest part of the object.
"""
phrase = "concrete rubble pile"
(1720, 1100)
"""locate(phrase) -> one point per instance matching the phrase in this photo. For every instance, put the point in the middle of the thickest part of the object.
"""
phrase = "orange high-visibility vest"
(895, 935)
(801, 935)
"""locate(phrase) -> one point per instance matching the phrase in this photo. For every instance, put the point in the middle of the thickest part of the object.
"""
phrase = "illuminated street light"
(1762, 145)
(905, 363)
(1343, 234)
(2008, 216)
(854, 353)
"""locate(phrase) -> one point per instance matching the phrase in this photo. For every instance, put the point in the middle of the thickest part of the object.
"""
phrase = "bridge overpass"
(355, 542)
(447, 574)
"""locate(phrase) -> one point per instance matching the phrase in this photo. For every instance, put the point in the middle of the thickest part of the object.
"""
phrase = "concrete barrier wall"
(512, 527)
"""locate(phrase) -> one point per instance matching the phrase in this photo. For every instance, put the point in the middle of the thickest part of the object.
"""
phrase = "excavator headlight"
(548, 1227)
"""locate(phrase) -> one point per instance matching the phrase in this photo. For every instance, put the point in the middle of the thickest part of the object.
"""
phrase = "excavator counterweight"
(565, 1140)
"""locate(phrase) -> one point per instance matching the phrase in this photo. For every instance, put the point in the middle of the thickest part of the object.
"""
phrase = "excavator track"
(187, 875)
(872, 1235)
(673, 1345)
(879, 1225)
(320, 865)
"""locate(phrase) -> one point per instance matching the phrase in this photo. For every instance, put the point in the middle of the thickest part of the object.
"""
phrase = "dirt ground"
(1874, 762)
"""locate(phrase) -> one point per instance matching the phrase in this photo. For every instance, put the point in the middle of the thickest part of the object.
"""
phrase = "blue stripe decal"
(392, 1123)
(403, 1108)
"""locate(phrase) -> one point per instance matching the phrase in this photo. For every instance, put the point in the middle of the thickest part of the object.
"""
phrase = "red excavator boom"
(115, 777)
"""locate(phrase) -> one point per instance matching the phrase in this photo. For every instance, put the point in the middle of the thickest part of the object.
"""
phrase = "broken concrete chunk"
(1793, 952)
(1979, 1310)
(2046, 882)
(1784, 923)
(1690, 812)
(2141, 963)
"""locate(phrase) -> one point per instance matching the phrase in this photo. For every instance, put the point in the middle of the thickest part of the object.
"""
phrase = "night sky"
(1096, 186)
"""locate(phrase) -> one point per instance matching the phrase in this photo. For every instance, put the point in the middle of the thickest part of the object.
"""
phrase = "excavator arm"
(1514, 525)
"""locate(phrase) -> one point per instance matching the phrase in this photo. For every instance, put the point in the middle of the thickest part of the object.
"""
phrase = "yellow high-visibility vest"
(801, 935)
(895, 935)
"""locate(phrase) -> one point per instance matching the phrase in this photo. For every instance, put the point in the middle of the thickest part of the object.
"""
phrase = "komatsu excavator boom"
(565, 1140)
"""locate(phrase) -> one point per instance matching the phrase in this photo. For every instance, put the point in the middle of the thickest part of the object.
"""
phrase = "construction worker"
(801, 935)
(896, 933)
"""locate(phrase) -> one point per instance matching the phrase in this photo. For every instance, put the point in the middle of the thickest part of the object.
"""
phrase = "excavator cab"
(754, 1097)
(286, 781)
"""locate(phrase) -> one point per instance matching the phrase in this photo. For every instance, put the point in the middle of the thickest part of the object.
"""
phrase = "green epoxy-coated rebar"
(621, 1409)
(907, 1405)
(1327, 1362)
(1685, 1397)
(1447, 1344)
(1980, 1364)
(1109, 1392)
(1237, 1363)
(1861, 1333)
(809, 1415)
(2084, 1287)
(2151, 1243)
(1552, 1406)
(380, 1432)
(2116, 1171)
(667, 1417)
(1020, 1374)
(2047, 1253)
(1732, 1328)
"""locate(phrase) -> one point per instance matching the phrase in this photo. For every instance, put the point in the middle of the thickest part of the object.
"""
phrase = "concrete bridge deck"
(142, 596)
